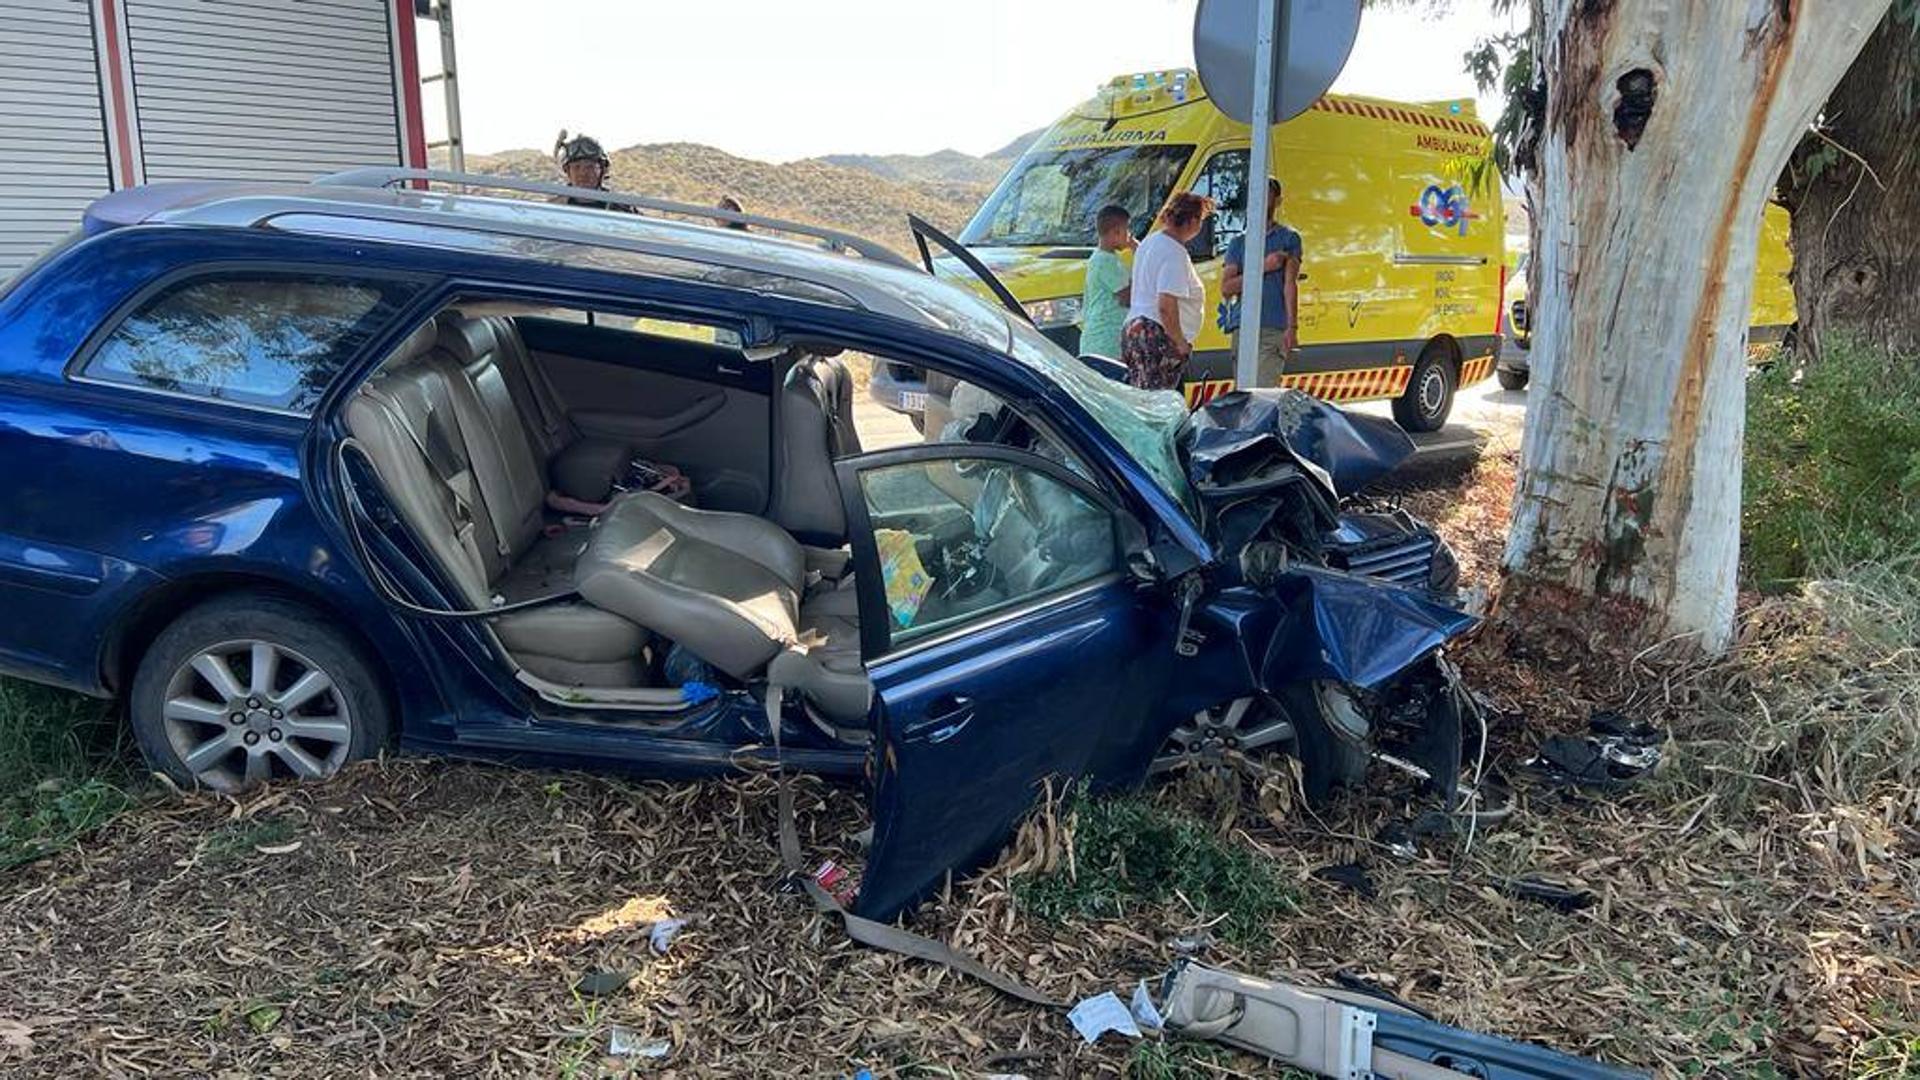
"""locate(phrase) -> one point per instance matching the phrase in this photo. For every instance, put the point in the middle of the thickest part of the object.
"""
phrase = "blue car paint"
(986, 714)
(114, 496)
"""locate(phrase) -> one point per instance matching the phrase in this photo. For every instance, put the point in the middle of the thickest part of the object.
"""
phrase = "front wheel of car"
(1511, 380)
(247, 689)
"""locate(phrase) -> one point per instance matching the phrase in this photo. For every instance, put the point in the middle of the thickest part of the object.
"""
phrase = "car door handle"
(948, 714)
(950, 707)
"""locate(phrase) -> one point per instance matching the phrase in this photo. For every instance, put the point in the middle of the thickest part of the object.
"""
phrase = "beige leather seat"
(813, 427)
(462, 467)
(731, 588)
(460, 482)
(579, 466)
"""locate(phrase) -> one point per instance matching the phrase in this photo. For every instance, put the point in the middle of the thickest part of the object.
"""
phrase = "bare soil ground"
(423, 918)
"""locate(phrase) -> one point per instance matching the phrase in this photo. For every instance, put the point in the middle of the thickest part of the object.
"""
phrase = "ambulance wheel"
(1428, 399)
(1511, 380)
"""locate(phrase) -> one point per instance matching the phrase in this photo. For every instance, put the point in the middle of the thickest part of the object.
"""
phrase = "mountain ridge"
(867, 194)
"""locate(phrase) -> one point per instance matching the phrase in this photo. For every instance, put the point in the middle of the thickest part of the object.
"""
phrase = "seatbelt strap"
(446, 463)
(868, 932)
(545, 401)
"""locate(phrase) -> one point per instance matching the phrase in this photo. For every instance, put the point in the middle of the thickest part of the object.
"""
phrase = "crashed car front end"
(1329, 608)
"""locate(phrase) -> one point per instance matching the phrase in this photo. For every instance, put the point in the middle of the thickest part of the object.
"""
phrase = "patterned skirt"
(1147, 350)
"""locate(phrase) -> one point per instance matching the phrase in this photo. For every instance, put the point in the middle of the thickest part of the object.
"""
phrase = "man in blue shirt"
(1279, 289)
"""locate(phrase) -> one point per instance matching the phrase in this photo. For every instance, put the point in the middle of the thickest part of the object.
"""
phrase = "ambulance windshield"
(1050, 197)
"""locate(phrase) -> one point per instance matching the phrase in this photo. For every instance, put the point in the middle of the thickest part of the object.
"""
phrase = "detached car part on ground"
(284, 463)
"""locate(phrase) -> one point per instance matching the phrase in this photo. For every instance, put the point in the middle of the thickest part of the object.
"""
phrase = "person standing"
(1163, 316)
(1109, 287)
(585, 165)
(1279, 290)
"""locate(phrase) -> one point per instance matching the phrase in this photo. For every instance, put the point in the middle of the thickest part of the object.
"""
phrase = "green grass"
(238, 840)
(64, 769)
(1832, 476)
(1171, 1059)
(1127, 851)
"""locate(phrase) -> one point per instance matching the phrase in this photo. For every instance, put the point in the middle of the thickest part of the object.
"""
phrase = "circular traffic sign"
(1319, 37)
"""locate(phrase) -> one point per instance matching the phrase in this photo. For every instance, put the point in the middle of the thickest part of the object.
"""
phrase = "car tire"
(251, 688)
(1428, 399)
(1511, 380)
(1331, 758)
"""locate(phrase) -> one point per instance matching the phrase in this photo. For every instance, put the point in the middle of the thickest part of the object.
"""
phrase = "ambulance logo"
(1444, 207)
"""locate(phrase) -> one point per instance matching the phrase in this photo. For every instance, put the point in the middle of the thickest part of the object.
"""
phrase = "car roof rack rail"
(380, 176)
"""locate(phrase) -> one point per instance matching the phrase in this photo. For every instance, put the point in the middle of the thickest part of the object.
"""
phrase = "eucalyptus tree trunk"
(1665, 126)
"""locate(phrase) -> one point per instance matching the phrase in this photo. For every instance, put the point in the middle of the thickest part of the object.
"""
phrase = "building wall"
(103, 94)
(53, 142)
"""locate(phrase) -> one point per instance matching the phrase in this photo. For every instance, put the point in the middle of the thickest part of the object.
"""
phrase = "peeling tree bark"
(1667, 123)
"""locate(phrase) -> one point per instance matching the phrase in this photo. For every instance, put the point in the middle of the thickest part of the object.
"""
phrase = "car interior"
(682, 501)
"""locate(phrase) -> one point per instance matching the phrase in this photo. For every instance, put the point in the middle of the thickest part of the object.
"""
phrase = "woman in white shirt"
(1163, 317)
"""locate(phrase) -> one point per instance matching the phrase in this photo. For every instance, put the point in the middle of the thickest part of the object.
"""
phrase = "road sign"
(1263, 62)
(1319, 36)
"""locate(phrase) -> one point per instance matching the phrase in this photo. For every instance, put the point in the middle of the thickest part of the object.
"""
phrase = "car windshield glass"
(1050, 197)
(1146, 423)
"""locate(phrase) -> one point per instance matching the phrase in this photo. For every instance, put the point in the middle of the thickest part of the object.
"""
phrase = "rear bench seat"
(462, 483)
(579, 466)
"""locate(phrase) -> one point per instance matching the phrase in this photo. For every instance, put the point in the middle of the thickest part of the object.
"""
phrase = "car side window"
(272, 340)
(1224, 180)
(960, 537)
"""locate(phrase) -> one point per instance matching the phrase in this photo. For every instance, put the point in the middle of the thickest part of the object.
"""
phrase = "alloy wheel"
(1220, 735)
(244, 712)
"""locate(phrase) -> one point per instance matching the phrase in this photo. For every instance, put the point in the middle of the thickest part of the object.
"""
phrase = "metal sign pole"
(1270, 43)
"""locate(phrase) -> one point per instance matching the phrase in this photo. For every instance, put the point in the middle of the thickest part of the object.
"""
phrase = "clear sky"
(778, 79)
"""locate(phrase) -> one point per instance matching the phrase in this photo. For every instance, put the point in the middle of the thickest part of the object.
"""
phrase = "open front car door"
(1008, 645)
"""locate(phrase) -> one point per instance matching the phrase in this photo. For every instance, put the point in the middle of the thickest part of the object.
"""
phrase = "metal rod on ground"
(1269, 45)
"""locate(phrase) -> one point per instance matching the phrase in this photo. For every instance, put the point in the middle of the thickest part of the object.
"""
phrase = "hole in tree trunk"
(1636, 104)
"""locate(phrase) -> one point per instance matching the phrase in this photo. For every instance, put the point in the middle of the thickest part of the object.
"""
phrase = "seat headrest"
(417, 343)
(467, 340)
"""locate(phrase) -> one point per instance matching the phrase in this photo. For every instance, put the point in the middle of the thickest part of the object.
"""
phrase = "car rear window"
(266, 340)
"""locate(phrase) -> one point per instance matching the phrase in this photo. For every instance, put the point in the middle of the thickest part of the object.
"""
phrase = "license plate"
(913, 401)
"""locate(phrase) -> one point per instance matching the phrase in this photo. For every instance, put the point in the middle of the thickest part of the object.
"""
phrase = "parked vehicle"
(297, 471)
(1400, 297)
(1773, 319)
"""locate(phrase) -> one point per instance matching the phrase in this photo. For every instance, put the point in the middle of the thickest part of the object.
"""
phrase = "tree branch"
(1814, 129)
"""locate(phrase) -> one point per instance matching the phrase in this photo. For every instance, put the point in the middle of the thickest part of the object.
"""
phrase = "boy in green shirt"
(1109, 288)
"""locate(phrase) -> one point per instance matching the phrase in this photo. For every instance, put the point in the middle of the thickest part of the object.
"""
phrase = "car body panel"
(972, 727)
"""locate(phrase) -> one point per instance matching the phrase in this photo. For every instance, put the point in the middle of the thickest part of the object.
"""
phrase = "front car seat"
(813, 426)
(730, 588)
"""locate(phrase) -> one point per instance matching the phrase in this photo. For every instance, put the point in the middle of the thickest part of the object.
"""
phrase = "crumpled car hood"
(1241, 436)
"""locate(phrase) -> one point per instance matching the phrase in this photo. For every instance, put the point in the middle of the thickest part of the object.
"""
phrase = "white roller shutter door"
(262, 89)
(53, 145)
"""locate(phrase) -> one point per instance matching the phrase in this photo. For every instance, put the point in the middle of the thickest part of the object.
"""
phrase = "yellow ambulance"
(1402, 270)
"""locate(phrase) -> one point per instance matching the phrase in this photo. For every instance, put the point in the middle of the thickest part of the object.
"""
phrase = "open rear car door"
(1009, 647)
(925, 234)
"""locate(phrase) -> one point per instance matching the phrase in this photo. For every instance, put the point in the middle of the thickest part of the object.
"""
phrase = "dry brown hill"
(816, 191)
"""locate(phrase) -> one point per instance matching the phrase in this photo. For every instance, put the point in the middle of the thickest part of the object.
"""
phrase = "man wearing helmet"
(585, 165)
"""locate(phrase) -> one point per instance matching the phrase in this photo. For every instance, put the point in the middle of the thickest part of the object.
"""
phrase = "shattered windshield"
(1146, 423)
(1049, 199)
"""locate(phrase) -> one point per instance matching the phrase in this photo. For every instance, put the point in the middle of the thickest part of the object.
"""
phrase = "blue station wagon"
(302, 472)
